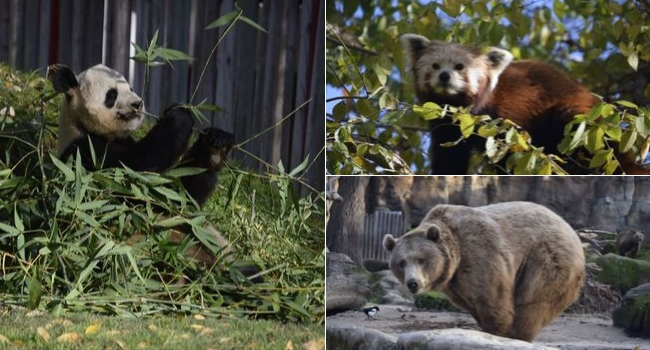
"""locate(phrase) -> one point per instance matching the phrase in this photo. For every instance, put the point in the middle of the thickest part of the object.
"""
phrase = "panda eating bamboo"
(98, 115)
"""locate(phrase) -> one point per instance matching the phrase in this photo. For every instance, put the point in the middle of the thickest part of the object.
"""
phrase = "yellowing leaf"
(93, 328)
(3, 339)
(69, 338)
(43, 333)
(316, 344)
(152, 328)
(199, 317)
(289, 345)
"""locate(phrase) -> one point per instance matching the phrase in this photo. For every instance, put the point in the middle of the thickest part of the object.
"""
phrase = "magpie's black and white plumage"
(370, 311)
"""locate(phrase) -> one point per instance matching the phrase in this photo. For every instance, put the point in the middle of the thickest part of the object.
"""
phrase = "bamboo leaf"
(252, 23)
(223, 20)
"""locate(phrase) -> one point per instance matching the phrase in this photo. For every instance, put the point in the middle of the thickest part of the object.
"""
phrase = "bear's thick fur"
(628, 243)
(514, 266)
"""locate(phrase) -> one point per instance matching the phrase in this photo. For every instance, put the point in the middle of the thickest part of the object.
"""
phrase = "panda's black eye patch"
(111, 97)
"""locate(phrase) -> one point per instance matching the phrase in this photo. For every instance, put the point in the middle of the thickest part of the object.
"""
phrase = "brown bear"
(628, 243)
(514, 266)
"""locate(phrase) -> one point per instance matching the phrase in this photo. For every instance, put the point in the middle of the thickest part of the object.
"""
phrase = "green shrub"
(64, 231)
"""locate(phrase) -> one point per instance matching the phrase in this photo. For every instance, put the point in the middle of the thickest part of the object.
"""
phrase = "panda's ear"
(63, 78)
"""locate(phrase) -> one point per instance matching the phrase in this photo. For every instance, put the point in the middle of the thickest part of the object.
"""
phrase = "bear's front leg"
(495, 309)
(209, 152)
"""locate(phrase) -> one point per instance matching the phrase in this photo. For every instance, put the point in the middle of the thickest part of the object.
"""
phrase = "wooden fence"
(257, 78)
(376, 226)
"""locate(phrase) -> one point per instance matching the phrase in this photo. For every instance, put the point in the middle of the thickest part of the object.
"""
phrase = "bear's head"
(425, 258)
(98, 101)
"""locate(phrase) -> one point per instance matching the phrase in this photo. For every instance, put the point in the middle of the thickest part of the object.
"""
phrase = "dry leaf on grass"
(315, 344)
(290, 345)
(3, 339)
(93, 328)
(198, 317)
(43, 333)
(72, 337)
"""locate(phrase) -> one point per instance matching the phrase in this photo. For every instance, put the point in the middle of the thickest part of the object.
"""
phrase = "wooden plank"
(16, 39)
(6, 12)
(226, 77)
(44, 25)
(29, 46)
(301, 89)
(315, 133)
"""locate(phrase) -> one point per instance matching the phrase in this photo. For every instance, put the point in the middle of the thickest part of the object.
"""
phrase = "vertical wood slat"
(258, 78)
(376, 225)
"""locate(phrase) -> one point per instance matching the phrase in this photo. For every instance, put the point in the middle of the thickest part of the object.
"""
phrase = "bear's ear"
(389, 242)
(63, 78)
(433, 233)
(414, 46)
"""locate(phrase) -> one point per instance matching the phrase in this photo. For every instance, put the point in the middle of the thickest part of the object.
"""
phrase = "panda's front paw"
(219, 143)
(178, 115)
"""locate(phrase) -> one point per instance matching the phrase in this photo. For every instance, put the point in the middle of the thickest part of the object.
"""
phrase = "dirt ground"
(569, 331)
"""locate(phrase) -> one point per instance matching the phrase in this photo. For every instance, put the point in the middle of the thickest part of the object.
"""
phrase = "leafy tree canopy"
(375, 124)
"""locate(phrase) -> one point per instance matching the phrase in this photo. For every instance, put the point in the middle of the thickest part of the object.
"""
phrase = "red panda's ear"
(414, 46)
(497, 60)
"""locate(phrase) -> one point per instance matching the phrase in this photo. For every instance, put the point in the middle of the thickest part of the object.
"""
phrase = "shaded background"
(257, 78)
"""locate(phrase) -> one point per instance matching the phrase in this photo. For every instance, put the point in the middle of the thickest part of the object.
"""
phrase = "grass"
(33, 330)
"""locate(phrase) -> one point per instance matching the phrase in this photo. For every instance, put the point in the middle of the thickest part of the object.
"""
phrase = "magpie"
(370, 311)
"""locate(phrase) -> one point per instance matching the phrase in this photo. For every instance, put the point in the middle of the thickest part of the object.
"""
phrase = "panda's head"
(98, 101)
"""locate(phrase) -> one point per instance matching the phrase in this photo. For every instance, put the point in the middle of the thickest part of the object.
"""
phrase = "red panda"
(536, 96)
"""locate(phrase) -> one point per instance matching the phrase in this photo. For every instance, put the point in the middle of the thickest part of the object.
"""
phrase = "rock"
(357, 338)
(375, 265)
(595, 297)
(621, 272)
(606, 203)
(347, 284)
(457, 339)
(634, 313)
(390, 290)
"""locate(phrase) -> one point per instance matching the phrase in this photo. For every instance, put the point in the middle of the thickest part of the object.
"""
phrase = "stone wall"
(598, 202)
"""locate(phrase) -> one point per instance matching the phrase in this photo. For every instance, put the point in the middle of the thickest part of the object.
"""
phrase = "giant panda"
(100, 111)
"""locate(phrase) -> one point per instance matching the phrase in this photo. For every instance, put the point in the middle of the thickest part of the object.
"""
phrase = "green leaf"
(170, 194)
(627, 140)
(223, 20)
(65, 169)
(35, 292)
(252, 23)
(595, 140)
(173, 55)
(300, 168)
(184, 171)
(171, 222)
(467, 123)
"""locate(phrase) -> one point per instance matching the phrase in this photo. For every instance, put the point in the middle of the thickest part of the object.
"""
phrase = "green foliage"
(373, 126)
(104, 241)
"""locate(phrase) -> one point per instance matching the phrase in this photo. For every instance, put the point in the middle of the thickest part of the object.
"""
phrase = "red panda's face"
(447, 70)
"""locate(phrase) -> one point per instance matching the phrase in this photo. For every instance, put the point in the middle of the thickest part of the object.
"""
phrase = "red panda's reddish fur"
(536, 96)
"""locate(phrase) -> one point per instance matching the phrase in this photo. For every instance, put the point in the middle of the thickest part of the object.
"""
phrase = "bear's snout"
(413, 285)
